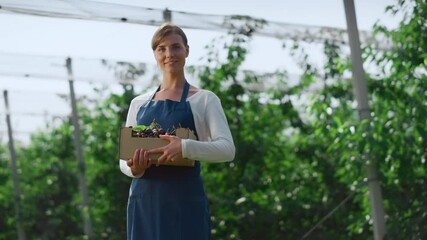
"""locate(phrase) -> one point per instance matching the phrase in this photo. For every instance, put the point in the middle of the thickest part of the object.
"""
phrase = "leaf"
(140, 127)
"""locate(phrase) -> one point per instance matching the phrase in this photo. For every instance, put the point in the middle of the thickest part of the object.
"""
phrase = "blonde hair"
(164, 30)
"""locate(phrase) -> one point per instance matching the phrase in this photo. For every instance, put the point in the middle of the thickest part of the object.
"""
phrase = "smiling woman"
(170, 46)
(169, 202)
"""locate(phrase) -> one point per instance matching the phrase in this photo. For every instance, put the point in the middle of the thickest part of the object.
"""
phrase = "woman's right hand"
(139, 162)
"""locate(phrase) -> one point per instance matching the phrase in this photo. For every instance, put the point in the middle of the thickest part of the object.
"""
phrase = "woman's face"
(171, 53)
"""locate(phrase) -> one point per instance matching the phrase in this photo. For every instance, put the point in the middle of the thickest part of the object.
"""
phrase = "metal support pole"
(15, 177)
(79, 153)
(167, 15)
(360, 90)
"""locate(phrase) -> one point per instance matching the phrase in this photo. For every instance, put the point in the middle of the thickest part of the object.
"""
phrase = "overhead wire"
(111, 12)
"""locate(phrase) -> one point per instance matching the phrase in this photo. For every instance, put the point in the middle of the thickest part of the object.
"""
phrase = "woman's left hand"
(169, 153)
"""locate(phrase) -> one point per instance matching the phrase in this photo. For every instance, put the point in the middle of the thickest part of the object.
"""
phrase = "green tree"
(269, 190)
(7, 211)
(108, 187)
(394, 136)
(280, 185)
(48, 172)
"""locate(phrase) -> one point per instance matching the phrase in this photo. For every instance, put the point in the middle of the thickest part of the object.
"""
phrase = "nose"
(169, 52)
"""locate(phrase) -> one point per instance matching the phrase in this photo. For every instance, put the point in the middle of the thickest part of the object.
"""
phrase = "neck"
(173, 82)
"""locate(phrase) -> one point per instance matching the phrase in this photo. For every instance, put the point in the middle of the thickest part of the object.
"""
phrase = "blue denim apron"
(168, 202)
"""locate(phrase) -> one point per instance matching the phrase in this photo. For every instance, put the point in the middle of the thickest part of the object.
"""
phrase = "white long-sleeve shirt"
(215, 142)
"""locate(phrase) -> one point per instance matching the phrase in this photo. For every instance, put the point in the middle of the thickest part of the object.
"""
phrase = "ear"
(187, 50)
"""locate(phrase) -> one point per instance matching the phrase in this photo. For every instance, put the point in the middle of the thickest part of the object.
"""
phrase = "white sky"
(42, 36)
(81, 38)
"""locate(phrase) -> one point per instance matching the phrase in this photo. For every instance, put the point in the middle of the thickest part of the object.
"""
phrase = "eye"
(177, 46)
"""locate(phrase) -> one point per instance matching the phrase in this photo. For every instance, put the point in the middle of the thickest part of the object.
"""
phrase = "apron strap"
(152, 95)
(183, 96)
(148, 104)
(185, 92)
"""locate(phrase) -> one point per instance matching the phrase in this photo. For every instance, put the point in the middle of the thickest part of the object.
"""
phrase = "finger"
(155, 150)
(146, 159)
(166, 137)
(129, 162)
(150, 162)
(136, 158)
(161, 159)
(141, 157)
(135, 154)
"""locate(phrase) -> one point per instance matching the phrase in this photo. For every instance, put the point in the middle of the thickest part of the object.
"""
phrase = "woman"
(169, 202)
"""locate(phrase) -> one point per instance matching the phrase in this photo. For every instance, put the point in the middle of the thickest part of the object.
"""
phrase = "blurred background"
(311, 163)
